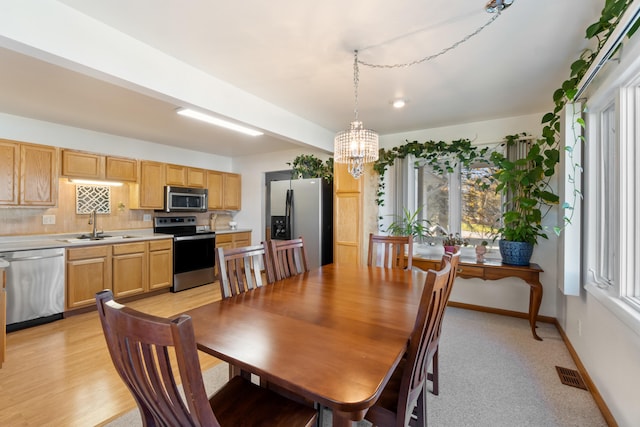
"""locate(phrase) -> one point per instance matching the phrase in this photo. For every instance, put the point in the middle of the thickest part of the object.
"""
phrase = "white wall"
(46, 133)
(507, 294)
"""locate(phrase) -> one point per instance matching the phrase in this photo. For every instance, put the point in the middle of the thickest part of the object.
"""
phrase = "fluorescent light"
(218, 122)
(94, 182)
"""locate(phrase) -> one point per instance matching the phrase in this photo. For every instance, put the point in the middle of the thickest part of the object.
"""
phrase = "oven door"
(193, 261)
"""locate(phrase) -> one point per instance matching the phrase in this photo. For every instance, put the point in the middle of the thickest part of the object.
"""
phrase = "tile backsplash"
(26, 221)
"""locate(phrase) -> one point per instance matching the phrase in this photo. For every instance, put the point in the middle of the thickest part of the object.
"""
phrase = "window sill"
(622, 311)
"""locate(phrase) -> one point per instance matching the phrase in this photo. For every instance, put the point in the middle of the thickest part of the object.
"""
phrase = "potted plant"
(309, 166)
(524, 185)
(453, 242)
(410, 224)
(481, 249)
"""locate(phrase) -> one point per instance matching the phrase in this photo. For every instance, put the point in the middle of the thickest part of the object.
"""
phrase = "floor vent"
(571, 377)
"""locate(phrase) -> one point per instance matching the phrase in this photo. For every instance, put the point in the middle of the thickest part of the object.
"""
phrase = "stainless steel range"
(193, 251)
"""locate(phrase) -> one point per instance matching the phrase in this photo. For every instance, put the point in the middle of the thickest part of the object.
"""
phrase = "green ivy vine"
(525, 180)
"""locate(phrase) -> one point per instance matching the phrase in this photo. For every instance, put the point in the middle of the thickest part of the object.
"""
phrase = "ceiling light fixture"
(497, 5)
(217, 121)
(356, 146)
(399, 103)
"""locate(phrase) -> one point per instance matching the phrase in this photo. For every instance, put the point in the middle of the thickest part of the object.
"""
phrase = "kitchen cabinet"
(127, 269)
(233, 240)
(88, 272)
(79, 164)
(148, 193)
(225, 190)
(130, 273)
(185, 176)
(121, 169)
(160, 264)
(30, 174)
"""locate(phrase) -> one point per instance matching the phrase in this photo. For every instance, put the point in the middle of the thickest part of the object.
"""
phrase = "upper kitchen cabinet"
(185, 176)
(148, 192)
(78, 164)
(224, 190)
(29, 174)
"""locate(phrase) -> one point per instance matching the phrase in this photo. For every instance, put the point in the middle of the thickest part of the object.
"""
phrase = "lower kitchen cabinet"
(233, 240)
(126, 268)
(130, 272)
(160, 264)
(88, 272)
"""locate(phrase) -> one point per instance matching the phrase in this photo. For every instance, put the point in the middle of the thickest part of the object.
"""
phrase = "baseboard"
(600, 403)
(492, 310)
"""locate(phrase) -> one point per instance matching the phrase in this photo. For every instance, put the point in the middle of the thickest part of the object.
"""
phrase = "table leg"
(341, 419)
(535, 299)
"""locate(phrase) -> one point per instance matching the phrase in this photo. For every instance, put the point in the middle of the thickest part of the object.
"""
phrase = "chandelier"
(358, 145)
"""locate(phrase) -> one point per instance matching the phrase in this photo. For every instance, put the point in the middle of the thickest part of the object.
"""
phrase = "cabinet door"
(242, 239)
(160, 264)
(38, 175)
(88, 272)
(76, 164)
(175, 175)
(129, 274)
(196, 178)
(121, 169)
(3, 318)
(232, 191)
(149, 192)
(9, 165)
(214, 185)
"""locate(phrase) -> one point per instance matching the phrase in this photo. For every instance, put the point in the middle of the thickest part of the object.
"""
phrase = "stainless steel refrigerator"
(304, 207)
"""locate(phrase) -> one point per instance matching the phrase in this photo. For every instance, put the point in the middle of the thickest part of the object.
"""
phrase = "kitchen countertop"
(228, 230)
(44, 241)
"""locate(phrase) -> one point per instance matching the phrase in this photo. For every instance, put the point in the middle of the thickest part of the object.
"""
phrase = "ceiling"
(282, 66)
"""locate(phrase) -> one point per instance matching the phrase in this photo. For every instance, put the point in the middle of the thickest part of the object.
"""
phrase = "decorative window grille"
(91, 198)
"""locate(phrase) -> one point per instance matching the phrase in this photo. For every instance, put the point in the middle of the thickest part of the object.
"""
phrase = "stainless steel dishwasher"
(35, 287)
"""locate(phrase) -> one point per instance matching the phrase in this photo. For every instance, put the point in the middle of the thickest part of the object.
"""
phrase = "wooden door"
(160, 264)
(38, 175)
(130, 269)
(232, 191)
(9, 165)
(88, 272)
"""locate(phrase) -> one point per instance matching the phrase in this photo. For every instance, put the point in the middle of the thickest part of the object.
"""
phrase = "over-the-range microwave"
(185, 199)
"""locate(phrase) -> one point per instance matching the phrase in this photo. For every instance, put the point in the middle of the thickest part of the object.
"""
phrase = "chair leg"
(420, 411)
(435, 372)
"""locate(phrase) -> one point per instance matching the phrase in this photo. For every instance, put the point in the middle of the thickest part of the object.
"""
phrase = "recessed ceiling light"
(217, 121)
(399, 103)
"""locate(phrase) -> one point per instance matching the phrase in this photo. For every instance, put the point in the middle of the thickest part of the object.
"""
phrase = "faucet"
(92, 221)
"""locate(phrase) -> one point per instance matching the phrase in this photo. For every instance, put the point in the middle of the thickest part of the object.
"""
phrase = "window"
(462, 202)
(612, 199)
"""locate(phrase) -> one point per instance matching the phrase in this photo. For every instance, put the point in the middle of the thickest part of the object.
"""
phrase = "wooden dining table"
(333, 335)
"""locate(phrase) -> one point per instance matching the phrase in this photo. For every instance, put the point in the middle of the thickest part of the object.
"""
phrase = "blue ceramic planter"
(516, 253)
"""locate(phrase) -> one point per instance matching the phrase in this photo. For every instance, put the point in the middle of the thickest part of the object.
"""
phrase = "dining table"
(332, 336)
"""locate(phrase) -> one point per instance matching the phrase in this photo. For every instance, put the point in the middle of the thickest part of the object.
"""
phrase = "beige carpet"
(492, 373)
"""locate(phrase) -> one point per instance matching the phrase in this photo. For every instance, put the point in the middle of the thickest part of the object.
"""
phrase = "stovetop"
(178, 226)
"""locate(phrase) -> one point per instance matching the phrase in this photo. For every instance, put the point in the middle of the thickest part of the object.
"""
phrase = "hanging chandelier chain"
(356, 81)
(435, 55)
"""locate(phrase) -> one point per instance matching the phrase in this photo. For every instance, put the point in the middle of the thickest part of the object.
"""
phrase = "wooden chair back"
(453, 260)
(289, 257)
(405, 390)
(390, 251)
(140, 346)
(240, 269)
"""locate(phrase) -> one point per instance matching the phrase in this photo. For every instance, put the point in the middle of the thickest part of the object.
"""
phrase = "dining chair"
(452, 259)
(142, 347)
(390, 250)
(240, 269)
(289, 257)
(404, 397)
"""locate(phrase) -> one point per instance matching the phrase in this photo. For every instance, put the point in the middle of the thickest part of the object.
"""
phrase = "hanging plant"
(309, 166)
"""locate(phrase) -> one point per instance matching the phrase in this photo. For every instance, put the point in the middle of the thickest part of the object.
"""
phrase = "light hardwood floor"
(60, 374)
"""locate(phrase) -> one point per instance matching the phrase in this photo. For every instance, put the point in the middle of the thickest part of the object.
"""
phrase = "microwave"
(184, 199)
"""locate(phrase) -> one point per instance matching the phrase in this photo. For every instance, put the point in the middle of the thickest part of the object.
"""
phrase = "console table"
(494, 270)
